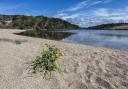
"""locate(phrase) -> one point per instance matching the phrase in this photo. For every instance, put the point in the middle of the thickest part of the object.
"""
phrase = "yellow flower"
(57, 55)
(61, 53)
(56, 65)
(53, 56)
(45, 49)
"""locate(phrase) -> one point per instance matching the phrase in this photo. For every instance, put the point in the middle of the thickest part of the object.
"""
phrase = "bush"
(47, 61)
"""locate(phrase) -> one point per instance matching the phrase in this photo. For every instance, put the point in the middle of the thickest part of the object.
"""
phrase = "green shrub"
(47, 61)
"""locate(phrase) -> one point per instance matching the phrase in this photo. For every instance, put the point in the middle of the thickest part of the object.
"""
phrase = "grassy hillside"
(33, 22)
(113, 26)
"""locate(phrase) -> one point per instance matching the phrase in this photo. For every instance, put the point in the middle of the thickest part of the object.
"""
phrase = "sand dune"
(85, 67)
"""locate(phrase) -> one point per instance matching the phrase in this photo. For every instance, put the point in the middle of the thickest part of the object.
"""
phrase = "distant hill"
(112, 26)
(34, 22)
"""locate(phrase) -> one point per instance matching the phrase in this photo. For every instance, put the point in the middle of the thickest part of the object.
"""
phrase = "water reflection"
(113, 35)
(47, 34)
(108, 38)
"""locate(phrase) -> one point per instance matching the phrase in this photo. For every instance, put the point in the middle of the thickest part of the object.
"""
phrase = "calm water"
(108, 38)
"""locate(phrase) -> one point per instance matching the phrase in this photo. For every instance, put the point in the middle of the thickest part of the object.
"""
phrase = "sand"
(85, 67)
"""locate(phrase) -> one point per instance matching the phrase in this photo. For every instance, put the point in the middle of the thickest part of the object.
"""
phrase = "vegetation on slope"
(118, 26)
(33, 22)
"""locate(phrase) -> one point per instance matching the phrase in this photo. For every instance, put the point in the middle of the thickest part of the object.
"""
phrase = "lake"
(107, 38)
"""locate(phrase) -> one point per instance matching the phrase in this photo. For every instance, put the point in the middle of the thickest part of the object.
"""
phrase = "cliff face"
(34, 22)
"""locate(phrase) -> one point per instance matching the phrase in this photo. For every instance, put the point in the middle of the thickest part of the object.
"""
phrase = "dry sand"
(85, 67)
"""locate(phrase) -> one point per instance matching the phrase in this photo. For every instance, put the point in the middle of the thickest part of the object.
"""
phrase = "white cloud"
(100, 16)
(66, 16)
(96, 2)
(76, 7)
(104, 15)
(6, 6)
(101, 12)
(117, 14)
(77, 14)
(84, 4)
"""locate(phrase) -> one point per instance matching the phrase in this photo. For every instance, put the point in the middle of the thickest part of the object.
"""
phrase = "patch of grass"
(17, 41)
(13, 41)
(5, 40)
(47, 61)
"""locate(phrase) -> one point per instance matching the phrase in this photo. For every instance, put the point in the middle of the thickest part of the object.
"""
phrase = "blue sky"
(34, 7)
(81, 12)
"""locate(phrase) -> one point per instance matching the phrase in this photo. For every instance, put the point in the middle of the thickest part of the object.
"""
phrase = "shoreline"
(15, 32)
(85, 67)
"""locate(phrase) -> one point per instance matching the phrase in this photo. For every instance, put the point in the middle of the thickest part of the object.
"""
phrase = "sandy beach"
(85, 67)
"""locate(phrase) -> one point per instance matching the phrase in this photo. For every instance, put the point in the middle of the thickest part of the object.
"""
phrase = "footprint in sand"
(103, 83)
(77, 85)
